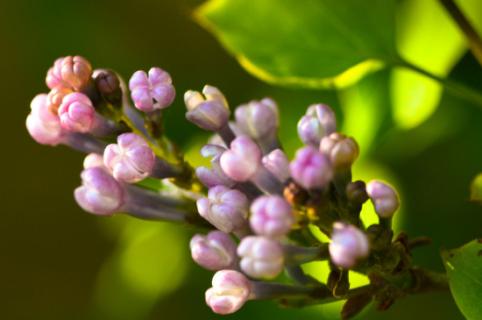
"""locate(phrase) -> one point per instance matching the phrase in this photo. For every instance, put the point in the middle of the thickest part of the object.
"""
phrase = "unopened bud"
(100, 193)
(242, 160)
(42, 123)
(229, 292)
(131, 159)
(384, 198)
(311, 169)
(226, 209)
(341, 150)
(77, 113)
(319, 121)
(208, 110)
(258, 119)
(271, 216)
(215, 251)
(277, 163)
(151, 91)
(261, 257)
(348, 245)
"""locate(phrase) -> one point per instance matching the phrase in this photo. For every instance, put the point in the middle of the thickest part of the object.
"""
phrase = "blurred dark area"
(51, 252)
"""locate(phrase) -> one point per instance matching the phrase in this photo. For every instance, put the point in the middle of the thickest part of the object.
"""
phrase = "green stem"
(475, 42)
(456, 88)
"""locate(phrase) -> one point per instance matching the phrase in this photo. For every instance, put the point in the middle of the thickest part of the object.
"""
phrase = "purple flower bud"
(341, 150)
(209, 112)
(100, 193)
(215, 251)
(348, 245)
(131, 159)
(384, 198)
(242, 160)
(261, 257)
(77, 113)
(226, 209)
(42, 123)
(229, 292)
(277, 163)
(271, 216)
(310, 168)
(70, 72)
(258, 119)
(107, 81)
(151, 91)
(215, 175)
(319, 121)
(93, 160)
(109, 86)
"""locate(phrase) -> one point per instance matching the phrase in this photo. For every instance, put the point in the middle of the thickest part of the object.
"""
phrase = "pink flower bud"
(242, 160)
(318, 122)
(54, 76)
(348, 245)
(43, 124)
(209, 112)
(341, 150)
(100, 193)
(258, 119)
(384, 198)
(271, 216)
(77, 113)
(93, 160)
(69, 72)
(151, 91)
(310, 168)
(229, 292)
(277, 163)
(215, 251)
(55, 97)
(261, 257)
(76, 71)
(131, 159)
(226, 209)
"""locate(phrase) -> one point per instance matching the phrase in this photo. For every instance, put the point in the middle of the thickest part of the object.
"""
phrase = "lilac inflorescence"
(258, 209)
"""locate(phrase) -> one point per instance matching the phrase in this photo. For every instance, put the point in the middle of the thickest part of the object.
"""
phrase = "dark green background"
(51, 251)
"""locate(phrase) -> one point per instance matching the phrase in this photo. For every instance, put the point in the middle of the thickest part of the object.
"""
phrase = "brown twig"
(475, 42)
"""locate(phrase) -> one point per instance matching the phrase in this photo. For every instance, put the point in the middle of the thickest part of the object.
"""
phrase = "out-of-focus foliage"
(308, 43)
(323, 43)
(464, 269)
(429, 38)
(476, 189)
(150, 261)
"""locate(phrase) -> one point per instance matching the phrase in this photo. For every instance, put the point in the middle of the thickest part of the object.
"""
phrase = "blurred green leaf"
(464, 269)
(311, 43)
(427, 36)
(476, 189)
(149, 263)
(365, 109)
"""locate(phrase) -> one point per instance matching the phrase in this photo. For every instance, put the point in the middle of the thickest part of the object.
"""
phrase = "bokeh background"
(57, 262)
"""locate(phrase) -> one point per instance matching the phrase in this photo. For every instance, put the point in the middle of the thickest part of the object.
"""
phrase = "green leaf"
(427, 36)
(149, 262)
(310, 43)
(464, 270)
(476, 189)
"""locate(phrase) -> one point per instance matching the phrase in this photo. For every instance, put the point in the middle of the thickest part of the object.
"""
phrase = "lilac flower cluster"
(256, 204)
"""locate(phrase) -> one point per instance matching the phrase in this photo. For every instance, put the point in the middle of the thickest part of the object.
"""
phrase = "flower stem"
(454, 87)
(475, 42)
